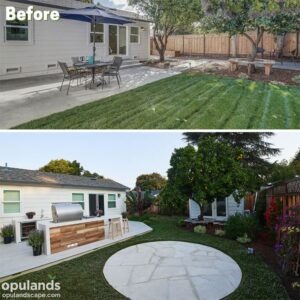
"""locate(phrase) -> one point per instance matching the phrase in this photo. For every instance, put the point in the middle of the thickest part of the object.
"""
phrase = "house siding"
(233, 207)
(40, 198)
(54, 41)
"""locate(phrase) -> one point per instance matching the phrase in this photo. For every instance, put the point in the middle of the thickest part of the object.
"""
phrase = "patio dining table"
(93, 67)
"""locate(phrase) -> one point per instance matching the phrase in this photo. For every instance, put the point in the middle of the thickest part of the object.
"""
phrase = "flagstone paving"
(172, 270)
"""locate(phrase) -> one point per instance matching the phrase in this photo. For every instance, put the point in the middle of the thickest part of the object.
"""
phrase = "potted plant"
(7, 233)
(124, 215)
(36, 240)
(30, 214)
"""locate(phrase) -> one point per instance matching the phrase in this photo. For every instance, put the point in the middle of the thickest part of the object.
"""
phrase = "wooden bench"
(236, 62)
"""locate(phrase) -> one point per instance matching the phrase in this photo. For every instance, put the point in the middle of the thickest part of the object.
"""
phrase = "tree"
(63, 166)
(87, 173)
(239, 17)
(148, 182)
(212, 169)
(296, 163)
(167, 17)
(254, 145)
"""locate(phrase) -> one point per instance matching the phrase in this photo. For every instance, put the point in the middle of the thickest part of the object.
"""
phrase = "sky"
(121, 156)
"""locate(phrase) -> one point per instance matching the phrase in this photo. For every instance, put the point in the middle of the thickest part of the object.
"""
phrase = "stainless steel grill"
(63, 212)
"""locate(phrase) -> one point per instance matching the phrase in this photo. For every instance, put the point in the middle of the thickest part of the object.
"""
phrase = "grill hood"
(64, 212)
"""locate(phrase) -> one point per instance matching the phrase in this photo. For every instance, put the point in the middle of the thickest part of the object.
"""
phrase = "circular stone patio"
(172, 270)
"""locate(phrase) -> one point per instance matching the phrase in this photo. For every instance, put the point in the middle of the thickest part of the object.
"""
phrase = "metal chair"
(71, 74)
(113, 70)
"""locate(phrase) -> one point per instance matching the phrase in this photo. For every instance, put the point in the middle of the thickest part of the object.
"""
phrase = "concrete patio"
(18, 258)
(23, 100)
(172, 270)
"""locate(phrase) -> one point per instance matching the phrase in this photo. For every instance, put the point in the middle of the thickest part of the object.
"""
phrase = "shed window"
(134, 34)
(78, 198)
(17, 30)
(11, 202)
(99, 33)
(112, 201)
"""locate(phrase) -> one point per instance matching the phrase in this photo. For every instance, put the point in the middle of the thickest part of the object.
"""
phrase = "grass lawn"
(82, 278)
(186, 101)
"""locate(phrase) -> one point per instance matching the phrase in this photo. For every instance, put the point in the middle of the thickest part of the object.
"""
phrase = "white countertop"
(50, 224)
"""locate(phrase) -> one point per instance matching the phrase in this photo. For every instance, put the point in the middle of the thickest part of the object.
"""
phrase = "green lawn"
(82, 278)
(186, 101)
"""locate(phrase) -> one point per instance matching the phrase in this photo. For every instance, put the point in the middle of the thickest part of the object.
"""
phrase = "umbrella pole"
(94, 48)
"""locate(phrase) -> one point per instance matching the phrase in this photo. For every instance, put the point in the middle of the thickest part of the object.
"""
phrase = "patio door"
(96, 202)
(217, 210)
(117, 40)
(221, 208)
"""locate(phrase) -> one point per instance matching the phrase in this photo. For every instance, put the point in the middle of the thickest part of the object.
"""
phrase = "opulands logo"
(13, 14)
(30, 286)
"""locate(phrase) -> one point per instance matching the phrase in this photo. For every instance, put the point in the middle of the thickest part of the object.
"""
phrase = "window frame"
(11, 202)
(134, 35)
(82, 203)
(97, 33)
(111, 201)
(16, 26)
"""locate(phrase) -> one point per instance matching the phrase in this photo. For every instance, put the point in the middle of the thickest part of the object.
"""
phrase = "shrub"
(244, 239)
(243, 76)
(200, 229)
(238, 225)
(36, 238)
(260, 208)
(296, 79)
(181, 223)
(273, 212)
(7, 231)
(288, 246)
(220, 232)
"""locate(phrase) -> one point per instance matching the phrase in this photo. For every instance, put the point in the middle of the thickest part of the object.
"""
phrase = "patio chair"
(75, 60)
(113, 70)
(71, 74)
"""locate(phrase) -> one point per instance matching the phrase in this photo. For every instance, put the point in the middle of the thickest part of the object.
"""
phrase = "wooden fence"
(224, 45)
(288, 193)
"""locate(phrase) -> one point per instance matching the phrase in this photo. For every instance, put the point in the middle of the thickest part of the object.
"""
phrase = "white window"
(99, 33)
(78, 198)
(16, 30)
(112, 203)
(11, 202)
(134, 35)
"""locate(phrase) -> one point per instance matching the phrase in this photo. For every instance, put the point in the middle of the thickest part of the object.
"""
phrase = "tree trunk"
(255, 44)
(161, 42)
(162, 54)
(279, 44)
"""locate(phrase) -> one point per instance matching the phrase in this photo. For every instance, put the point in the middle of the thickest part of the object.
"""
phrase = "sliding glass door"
(117, 40)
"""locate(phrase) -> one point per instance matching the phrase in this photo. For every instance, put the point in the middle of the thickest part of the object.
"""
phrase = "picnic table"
(93, 67)
(236, 62)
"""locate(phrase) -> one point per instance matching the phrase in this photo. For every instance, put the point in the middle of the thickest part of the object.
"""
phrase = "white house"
(23, 191)
(32, 48)
(220, 209)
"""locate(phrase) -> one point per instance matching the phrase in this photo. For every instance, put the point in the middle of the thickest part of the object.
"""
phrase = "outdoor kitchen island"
(66, 235)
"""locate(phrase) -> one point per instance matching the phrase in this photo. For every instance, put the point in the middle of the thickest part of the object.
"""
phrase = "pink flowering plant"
(288, 246)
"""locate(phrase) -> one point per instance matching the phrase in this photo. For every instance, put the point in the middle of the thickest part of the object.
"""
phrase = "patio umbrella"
(94, 15)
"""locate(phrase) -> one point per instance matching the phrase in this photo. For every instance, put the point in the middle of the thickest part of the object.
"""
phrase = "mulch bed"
(277, 75)
(263, 247)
